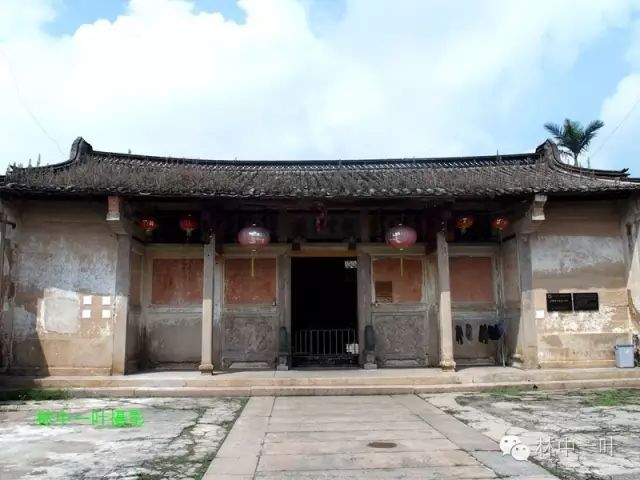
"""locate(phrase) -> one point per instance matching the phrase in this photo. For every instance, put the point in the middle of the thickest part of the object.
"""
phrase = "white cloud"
(618, 144)
(390, 79)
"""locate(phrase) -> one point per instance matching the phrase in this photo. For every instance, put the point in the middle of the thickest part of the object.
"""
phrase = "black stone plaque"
(586, 302)
(559, 302)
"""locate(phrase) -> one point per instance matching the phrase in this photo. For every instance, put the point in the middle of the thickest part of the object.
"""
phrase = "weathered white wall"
(631, 234)
(579, 248)
(61, 293)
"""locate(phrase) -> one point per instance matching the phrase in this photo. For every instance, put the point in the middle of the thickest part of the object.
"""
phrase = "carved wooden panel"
(400, 335)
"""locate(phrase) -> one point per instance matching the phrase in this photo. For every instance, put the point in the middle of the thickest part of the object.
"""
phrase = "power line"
(25, 104)
(624, 119)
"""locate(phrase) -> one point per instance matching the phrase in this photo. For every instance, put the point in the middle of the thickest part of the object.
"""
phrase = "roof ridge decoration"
(92, 172)
(549, 150)
(79, 148)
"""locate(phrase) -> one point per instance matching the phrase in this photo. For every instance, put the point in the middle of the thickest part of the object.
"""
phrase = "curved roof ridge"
(550, 150)
(81, 150)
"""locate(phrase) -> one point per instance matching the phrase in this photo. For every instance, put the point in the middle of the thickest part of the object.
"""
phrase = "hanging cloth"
(459, 334)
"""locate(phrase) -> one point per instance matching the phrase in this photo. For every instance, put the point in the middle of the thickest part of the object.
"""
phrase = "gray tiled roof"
(96, 172)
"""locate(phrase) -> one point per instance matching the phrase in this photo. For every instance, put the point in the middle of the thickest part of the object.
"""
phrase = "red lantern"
(188, 224)
(401, 237)
(499, 223)
(148, 224)
(464, 223)
(254, 237)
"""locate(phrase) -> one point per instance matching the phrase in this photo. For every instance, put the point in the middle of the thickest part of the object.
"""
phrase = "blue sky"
(316, 78)
(74, 13)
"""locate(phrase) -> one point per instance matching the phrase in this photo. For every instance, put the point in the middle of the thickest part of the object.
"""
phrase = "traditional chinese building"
(116, 262)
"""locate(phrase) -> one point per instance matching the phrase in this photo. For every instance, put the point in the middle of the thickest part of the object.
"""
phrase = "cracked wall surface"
(59, 305)
(579, 248)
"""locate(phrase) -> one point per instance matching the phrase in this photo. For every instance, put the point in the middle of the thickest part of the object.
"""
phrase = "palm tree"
(572, 138)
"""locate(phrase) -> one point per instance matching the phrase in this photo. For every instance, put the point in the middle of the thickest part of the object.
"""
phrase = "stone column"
(367, 359)
(121, 227)
(206, 362)
(526, 354)
(526, 350)
(445, 319)
(121, 305)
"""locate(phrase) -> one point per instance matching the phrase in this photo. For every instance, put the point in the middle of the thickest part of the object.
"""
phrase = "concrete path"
(350, 437)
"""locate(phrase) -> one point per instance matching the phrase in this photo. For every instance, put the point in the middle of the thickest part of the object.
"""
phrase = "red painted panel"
(177, 281)
(471, 279)
(405, 288)
(240, 288)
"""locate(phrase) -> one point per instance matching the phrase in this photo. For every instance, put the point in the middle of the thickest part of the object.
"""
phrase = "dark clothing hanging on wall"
(459, 334)
(482, 334)
(493, 333)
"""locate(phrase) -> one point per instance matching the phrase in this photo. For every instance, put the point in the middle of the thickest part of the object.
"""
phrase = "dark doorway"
(324, 312)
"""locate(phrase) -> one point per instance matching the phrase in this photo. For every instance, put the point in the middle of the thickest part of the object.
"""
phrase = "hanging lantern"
(401, 237)
(189, 224)
(148, 224)
(464, 223)
(499, 223)
(254, 237)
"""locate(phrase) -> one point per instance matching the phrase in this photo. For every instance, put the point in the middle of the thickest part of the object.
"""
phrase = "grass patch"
(559, 472)
(34, 394)
(612, 398)
(512, 394)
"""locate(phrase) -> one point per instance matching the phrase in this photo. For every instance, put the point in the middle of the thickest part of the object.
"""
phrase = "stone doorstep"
(402, 377)
(338, 390)
(340, 385)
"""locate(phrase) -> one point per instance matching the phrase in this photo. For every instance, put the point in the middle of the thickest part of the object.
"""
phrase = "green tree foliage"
(572, 138)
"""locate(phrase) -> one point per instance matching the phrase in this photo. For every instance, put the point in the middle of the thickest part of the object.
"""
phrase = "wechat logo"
(512, 445)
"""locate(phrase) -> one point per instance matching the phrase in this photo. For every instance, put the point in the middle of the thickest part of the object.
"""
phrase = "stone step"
(214, 391)
(273, 381)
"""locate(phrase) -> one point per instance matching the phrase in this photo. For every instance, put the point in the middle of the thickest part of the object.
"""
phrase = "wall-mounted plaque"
(586, 302)
(559, 302)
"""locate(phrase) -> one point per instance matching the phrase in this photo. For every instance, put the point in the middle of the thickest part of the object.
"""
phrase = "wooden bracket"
(115, 216)
(534, 217)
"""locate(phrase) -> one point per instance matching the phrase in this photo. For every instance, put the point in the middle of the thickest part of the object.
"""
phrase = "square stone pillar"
(445, 319)
(208, 279)
(526, 354)
(121, 227)
(367, 359)
(121, 305)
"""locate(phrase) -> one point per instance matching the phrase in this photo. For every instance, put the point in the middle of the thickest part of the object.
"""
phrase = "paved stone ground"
(178, 439)
(593, 435)
(347, 437)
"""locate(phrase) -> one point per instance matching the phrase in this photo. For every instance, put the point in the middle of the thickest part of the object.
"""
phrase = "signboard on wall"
(559, 302)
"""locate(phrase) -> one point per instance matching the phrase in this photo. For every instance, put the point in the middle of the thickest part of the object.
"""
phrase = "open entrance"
(324, 312)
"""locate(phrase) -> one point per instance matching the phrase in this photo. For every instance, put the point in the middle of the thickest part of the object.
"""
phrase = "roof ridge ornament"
(79, 148)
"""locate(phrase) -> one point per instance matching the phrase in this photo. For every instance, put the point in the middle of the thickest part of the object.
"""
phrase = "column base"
(206, 369)
(448, 365)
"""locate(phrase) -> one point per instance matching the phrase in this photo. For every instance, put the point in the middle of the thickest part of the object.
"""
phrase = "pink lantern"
(401, 237)
(254, 237)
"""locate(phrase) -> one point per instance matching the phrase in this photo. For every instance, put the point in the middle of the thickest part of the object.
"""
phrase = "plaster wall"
(60, 299)
(579, 248)
(631, 233)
